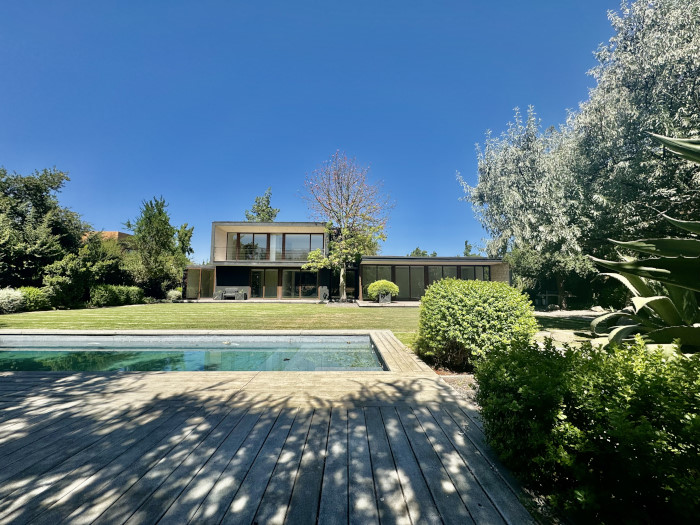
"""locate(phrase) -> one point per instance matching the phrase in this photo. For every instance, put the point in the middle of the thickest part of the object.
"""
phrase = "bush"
(607, 435)
(35, 298)
(111, 295)
(460, 321)
(382, 287)
(11, 301)
(173, 295)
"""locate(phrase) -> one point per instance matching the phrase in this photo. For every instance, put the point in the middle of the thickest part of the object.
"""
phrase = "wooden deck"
(246, 447)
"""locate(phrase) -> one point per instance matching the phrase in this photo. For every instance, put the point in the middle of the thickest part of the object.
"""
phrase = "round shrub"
(104, 295)
(135, 295)
(460, 321)
(11, 301)
(173, 295)
(381, 287)
(35, 298)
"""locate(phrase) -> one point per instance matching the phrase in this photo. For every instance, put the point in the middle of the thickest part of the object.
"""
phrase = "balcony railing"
(220, 254)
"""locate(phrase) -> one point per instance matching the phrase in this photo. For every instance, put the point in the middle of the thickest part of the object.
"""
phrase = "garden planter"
(384, 298)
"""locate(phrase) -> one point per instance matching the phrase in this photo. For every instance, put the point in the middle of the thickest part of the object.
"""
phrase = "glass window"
(369, 275)
(246, 249)
(288, 287)
(296, 246)
(467, 272)
(434, 274)
(270, 284)
(316, 241)
(384, 272)
(256, 283)
(479, 273)
(487, 273)
(276, 247)
(403, 282)
(192, 291)
(260, 246)
(449, 272)
(231, 246)
(307, 284)
(417, 282)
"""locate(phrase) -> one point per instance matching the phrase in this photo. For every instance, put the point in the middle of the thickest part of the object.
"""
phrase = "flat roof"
(426, 260)
(267, 224)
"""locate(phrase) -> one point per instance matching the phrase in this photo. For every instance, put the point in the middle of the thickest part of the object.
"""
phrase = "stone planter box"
(384, 298)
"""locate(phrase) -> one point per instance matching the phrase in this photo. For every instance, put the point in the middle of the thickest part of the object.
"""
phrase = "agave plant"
(665, 287)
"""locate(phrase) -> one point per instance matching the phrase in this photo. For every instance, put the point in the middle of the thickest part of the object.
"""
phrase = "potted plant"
(382, 291)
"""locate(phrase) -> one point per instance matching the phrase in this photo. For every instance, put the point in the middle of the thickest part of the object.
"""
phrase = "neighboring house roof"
(119, 236)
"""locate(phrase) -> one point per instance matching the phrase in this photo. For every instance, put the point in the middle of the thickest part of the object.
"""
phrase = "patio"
(248, 447)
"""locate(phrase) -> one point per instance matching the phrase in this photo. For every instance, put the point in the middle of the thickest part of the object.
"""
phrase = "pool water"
(99, 353)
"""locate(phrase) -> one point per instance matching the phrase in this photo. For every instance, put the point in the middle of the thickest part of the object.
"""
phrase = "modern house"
(264, 260)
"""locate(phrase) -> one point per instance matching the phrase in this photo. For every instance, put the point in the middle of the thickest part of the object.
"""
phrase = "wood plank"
(137, 494)
(275, 502)
(419, 501)
(477, 501)
(216, 503)
(504, 499)
(303, 506)
(334, 493)
(159, 501)
(245, 503)
(122, 472)
(390, 499)
(362, 497)
(185, 507)
(445, 495)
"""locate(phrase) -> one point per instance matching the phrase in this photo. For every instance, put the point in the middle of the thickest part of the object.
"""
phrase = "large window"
(480, 273)
(371, 274)
(273, 246)
(298, 284)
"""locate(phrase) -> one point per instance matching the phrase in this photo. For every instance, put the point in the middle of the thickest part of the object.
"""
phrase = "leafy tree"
(339, 193)
(417, 252)
(35, 230)
(648, 80)
(468, 249)
(529, 200)
(261, 210)
(159, 250)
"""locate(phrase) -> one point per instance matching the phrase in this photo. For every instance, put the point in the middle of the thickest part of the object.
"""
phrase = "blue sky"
(208, 103)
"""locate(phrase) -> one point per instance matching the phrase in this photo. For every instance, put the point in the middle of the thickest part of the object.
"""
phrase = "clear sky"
(207, 103)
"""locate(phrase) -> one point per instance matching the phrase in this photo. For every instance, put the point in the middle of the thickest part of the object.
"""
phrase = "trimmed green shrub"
(382, 287)
(607, 435)
(35, 298)
(112, 295)
(11, 301)
(173, 295)
(461, 321)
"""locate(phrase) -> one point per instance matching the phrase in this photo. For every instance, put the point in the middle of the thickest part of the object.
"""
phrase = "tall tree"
(529, 200)
(262, 211)
(648, 80)
(468, 249)
(356, 211)
(35, 230)
(159, 253)
(417, 252)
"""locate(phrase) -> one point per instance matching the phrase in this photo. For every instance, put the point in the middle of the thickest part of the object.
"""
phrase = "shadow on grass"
(179, 448)
(565, 323)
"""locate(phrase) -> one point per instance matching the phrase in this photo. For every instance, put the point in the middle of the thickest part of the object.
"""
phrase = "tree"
(261, 210)
(529, 200)
(648, 80)
(339, 193)
(35, 231)
(417, 252)
(468, 249)
(160, 250)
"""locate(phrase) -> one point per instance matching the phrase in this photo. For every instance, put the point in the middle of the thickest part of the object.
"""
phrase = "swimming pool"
(103, 353)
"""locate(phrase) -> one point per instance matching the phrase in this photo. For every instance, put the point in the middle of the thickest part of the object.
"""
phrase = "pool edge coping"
(387, 350)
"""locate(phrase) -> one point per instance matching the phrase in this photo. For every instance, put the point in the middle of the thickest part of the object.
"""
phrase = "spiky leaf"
(682, 271)
(687, 148)
(666, 247)
(691, 226)
(661, 305)
(688, 335)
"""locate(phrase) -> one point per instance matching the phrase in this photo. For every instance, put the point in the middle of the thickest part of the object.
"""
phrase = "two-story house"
(264, 260)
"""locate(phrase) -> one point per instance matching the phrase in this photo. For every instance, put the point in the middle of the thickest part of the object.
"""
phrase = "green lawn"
(223, 316)
(243, 316)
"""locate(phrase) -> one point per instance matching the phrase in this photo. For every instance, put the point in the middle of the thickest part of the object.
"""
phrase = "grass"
(245, 316)
(223, 316)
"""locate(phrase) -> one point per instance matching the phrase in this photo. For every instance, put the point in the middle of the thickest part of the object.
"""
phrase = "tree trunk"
(343, 294)
(561, 292)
